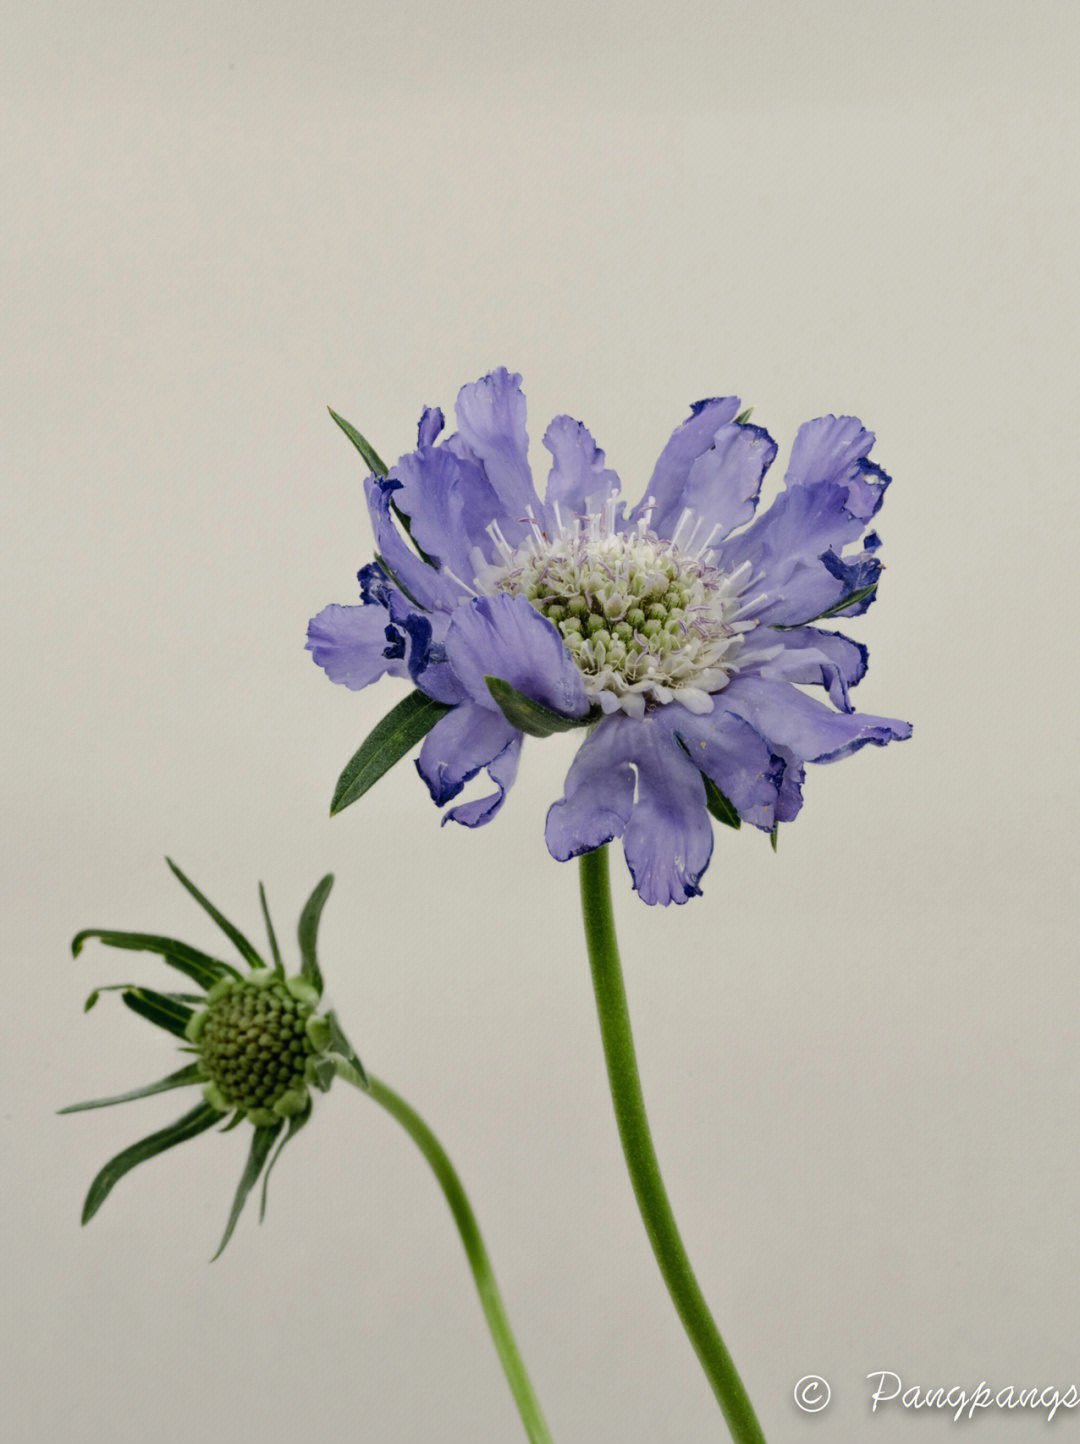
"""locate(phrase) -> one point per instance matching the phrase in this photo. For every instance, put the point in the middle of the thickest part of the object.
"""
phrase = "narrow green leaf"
(529, 716)
(190, 1126)
(307, 931)
(180, 1079)
(842, 605)
(773, 836)
(398, 732)
(744, 416)
(341, 1045)
(158, 1008)
(235, 936)
(296, 1122)
(372, 460)
(198, 966)
(262, 1142)
(91, 1000)
(275, 951)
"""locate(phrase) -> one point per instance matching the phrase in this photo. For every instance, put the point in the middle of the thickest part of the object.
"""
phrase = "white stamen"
(455, 578)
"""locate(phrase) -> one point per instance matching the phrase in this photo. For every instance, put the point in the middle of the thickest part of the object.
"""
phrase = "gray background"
(860, 1055)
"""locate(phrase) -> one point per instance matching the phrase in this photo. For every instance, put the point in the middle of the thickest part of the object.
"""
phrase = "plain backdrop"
(860, 1055)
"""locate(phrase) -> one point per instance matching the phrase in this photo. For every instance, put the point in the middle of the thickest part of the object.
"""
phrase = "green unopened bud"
(254, 1044)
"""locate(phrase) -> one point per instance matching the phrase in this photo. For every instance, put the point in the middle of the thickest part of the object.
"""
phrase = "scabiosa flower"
(679, 633)
(259, 1039)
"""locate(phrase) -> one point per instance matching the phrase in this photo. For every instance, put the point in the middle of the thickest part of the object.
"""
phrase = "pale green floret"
(255, 1039)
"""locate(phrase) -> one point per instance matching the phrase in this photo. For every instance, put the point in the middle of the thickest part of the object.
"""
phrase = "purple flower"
(678, 634)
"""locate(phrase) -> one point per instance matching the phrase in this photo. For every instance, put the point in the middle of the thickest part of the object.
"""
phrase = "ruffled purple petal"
(427, 588)
(458, 746)
(662, 502)
(432, 422)
(667, 835)
(578, 483)
(790, 801)
(598, 795)
(855, 573)
(735, 757)
(796, 547)
(723, 484)
(669, 838)
(834, 449)
(813, 657)
(504, 637)
(808, 730)
(350, 645)
(449, 503)
(491, 421)
(721, 488)
(502, 770)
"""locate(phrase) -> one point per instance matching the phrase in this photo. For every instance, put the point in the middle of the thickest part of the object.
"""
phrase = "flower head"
(259, 1040)
(678, 634)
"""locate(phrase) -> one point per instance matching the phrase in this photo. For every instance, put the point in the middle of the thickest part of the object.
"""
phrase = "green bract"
(260, 1041)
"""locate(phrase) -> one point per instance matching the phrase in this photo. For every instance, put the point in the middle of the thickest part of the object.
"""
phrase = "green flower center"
(647, 620)
(254, 1045)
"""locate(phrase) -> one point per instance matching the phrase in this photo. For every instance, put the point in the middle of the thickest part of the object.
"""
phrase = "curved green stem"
(490, 1299)
(640, 1154)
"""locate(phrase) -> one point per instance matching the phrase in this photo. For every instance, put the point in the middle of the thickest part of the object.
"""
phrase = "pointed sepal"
(718, 803)
(275, 951)
(296, 1122)
(720, 806)
(198, 966)
(307, 933)
(180, 1079)
(344, 1053)
(235, 936)
(372, 460)
(262, 1142)
(191, 1125)
(159, 1008)
(531, 717)
(837, 609)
